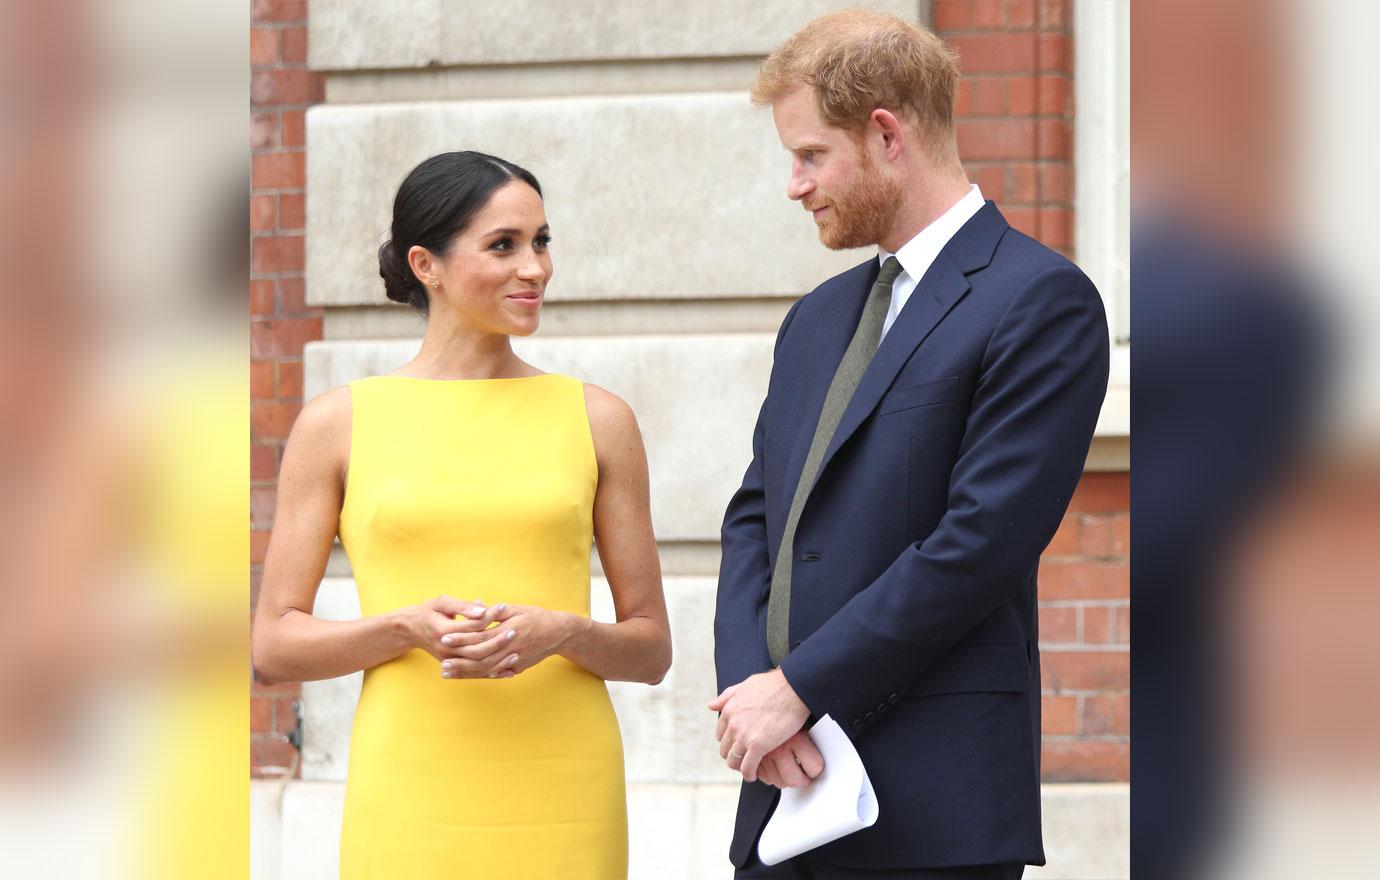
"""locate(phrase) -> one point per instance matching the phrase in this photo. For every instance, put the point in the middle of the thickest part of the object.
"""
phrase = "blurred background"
(126, 707)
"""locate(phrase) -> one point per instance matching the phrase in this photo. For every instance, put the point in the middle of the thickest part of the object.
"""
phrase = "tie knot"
(890, 269)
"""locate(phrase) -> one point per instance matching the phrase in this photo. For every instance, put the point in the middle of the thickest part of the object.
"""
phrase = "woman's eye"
(503, 244)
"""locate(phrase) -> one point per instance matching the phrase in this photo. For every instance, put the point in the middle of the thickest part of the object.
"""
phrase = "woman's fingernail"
(447, 640)
(447, 665)
(510, 634)
(512, 658)
(447, 674)
(501, 607)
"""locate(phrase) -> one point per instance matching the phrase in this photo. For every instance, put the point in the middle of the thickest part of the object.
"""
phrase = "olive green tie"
(850, 371)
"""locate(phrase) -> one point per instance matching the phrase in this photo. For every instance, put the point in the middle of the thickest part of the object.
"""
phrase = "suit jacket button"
(891, 699)
(857, 724)
(869, 716)
(882, 706)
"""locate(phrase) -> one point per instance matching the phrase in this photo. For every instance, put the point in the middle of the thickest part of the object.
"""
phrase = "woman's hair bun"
(399, 282)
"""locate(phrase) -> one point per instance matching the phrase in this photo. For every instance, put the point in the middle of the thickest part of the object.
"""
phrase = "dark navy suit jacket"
(913, 602)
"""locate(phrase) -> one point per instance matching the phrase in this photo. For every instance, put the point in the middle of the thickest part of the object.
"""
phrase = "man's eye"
(542, 241)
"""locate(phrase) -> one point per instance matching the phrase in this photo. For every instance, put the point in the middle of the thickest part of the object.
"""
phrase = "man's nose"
(799, 187)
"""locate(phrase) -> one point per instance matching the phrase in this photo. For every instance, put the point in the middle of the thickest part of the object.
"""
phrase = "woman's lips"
(532, 298)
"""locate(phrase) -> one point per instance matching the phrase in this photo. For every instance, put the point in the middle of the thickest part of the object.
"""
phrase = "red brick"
(294, 42)
(1102, 493)
(278, 10)
(1081, 760)
(277, 170)
(1121, 535)
(292, 293)
(261, 380)
(289, 380)
(263, 501)
(263, 463)
(277, 253)
(1058, 625)
(1024, 187)
(987, 14)
(1054, 14)
(995, 53)
(292, 211)
(1056, 227)
(284, 715)
(271, 756)
(988, 97)
(1123, 625)
(990, 179)
(1054, 140)
(1066, 540)
(1097, 624)
(950, 15)
(263, 130)
(1054, 53)
(263, 212)
(258, 546)
(1026, 220)
(294, 128)
(963, 98)
(1055, 95)
(1056, 183)
(294, 86)
(263, 46)
(1020, 96)
(1085, 670)
(1083, 580)
(272, 420)
(1107, 715)
(1104, 536)
(996, 139)
(283, 337)
(1058, 715)
(261, 297)
(1021, 14)
(260, 714)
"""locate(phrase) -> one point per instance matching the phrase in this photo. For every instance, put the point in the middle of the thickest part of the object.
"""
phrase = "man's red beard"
(861, 216)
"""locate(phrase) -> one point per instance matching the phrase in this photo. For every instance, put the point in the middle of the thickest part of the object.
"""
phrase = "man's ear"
(886, 126)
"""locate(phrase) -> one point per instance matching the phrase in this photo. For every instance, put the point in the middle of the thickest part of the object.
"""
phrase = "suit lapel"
(941, 288)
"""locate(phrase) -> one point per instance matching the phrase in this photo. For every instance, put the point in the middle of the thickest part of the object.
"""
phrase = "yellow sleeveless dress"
(477, 489)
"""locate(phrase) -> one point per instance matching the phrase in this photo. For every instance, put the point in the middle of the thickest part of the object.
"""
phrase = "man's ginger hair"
(856, 61)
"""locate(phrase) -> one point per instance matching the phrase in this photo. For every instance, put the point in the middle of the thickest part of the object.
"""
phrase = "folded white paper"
(838, 802)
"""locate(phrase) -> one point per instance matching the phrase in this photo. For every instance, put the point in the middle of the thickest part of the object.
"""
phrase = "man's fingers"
(717, 704)
(783, 761)
(720, 728)
(735, 759)
(767, 773)
(751, 761)
(811, 761)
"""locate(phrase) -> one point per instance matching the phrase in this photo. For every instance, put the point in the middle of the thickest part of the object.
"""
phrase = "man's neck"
(925, 201)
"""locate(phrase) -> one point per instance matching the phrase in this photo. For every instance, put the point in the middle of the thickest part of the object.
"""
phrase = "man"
(927, 420)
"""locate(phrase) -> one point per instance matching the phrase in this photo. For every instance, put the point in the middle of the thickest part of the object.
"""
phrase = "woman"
(484, 742)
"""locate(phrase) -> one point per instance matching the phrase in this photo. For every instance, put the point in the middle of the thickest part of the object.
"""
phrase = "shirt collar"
(917, 254)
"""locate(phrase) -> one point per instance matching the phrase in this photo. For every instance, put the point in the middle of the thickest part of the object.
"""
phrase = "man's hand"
(755, 716)
(793, 764)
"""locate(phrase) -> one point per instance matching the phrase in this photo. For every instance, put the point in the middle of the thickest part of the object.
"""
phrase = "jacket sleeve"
(740, 610)
(1036, 402)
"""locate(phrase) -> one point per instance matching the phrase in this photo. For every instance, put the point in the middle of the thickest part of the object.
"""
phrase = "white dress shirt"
(917, 254)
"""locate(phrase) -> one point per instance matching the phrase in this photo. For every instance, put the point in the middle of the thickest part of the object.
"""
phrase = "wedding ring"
(735, 754)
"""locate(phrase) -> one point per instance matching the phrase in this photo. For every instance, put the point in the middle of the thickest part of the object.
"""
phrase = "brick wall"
(1085, 635)
(280, 323)
(1015, 107)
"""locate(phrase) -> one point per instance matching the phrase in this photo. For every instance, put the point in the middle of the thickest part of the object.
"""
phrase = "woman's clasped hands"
(473, 640)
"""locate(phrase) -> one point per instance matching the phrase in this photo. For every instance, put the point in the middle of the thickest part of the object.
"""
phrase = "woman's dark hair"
(435, 202)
